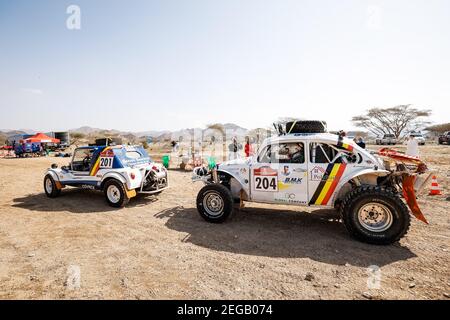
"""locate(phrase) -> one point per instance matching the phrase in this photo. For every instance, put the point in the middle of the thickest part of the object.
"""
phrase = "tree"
(439, 128)
(396, 120)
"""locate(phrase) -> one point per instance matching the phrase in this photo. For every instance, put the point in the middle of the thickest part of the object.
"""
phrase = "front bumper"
(154, 181)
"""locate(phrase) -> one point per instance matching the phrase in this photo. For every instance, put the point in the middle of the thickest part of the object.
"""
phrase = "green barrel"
(211, 162)
(165, 161)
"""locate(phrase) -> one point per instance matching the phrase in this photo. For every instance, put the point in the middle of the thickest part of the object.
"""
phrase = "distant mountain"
(151, 133)
(88, 130)
(231, 129)
(9, 132)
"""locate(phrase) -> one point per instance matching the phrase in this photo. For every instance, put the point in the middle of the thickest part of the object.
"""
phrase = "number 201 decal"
(106, 162)
(265, 183)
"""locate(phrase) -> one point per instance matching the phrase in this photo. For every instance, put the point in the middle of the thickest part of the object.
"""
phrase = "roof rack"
(300, 126)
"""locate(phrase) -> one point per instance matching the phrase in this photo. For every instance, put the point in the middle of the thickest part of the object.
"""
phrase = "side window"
(321, 152)
(293, 152)
(82, 159)
(266, 155)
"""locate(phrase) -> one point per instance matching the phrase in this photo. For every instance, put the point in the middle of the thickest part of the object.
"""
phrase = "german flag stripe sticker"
(328, 184)
(321, 184)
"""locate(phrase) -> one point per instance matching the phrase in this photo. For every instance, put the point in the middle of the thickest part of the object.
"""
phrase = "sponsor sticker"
(286, 171)
(317, 173)
(265, 179)
(293, 180)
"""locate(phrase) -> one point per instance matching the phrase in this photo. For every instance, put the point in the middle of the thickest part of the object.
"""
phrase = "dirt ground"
(160, 248)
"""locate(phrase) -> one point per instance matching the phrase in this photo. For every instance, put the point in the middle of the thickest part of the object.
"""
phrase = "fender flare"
(378, 173)
(113, 175)
(233, 175)
(52, 173)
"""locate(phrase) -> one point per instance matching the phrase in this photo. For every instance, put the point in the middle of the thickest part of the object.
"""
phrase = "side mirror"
(54, 166)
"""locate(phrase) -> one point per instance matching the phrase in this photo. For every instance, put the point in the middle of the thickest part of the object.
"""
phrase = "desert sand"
(158, 247)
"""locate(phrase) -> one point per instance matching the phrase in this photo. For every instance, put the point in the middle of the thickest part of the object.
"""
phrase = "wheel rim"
(113, 194)
(375, 217)
(213, 204)
(48, 185)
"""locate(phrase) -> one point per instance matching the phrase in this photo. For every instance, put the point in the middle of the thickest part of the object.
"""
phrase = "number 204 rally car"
(371, 190)
(119, 171)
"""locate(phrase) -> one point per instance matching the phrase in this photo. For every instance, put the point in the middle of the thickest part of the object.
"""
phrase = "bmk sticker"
(265, 179)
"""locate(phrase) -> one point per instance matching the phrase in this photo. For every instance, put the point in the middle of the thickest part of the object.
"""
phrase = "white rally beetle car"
(119, 171)
(321, 169)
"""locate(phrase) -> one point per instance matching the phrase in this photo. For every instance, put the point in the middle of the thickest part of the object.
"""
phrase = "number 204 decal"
(265, 183)
(106, 162)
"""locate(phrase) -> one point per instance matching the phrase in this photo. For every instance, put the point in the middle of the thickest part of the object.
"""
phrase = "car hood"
(235, 163)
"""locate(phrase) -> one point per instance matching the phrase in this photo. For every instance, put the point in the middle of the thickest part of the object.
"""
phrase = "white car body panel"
(299, 183)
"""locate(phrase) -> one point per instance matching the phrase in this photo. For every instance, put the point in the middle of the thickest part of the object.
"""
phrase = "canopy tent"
(42, 138)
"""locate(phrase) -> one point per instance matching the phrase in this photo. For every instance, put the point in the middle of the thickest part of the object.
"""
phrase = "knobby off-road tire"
(115, 193)
(305, 126)
(215, 203)
(375, 215)
(50, 187)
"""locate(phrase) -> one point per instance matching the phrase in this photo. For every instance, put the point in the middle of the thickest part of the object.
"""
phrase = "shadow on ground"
(319, 236)
(76, 201)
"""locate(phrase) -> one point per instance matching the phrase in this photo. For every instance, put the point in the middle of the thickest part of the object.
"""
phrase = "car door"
(80, 167)
(280, 174)
(325, 170)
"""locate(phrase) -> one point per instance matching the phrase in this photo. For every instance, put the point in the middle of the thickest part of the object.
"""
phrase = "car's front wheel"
(215, 203)
(115, 193)
(375, 215)
(50, 187)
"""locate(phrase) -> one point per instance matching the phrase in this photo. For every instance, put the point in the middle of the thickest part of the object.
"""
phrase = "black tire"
(223, 199)
(51, 191)
(398, 212)
(303, 126)
(117, 189)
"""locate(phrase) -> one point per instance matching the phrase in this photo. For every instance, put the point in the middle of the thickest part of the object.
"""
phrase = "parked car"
(444, 138)
(387, 139)
(418, 136)
(119, 171)
(319, 169)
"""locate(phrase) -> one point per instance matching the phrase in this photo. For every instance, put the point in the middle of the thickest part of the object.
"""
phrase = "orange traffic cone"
(435, 190)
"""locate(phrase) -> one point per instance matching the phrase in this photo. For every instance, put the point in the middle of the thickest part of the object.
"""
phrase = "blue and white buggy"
(119, 171)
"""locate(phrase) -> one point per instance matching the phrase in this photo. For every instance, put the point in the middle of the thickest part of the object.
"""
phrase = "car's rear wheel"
(215, 203)
(115, 193)
(375, 215)
(50, 187)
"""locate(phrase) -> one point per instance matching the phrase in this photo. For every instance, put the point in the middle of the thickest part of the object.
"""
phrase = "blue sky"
(155, 65)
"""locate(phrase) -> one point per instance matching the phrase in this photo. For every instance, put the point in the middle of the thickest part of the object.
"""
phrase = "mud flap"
(130, 193)
(59, 186)
(410, 197)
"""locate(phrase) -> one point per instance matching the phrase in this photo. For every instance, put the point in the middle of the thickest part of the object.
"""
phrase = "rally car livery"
(119, 171)
(321, 169)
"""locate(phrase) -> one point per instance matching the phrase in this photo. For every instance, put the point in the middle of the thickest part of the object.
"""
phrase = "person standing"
(412, 148)
(233, 149)
(248, 148)
(360, 142)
